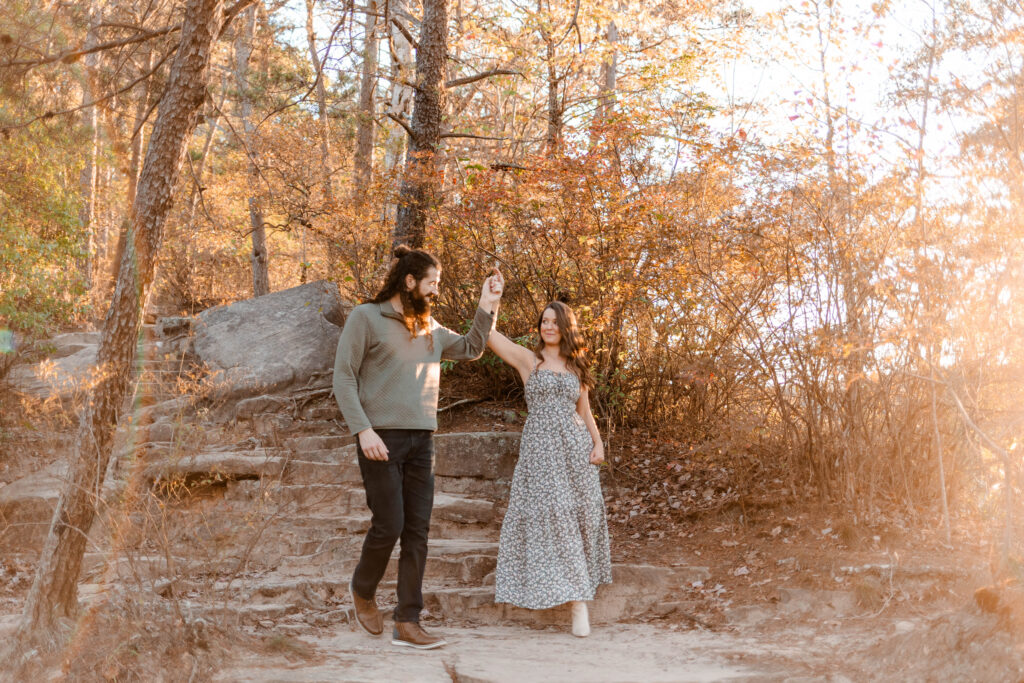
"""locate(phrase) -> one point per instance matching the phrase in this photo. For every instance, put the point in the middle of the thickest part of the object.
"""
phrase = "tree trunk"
(135, 164)
(363, 160)
(400, 98)
(326, 165)
(243, 50)
(103, 183)
(609, 74)
(54, 592)
(87, 180)
(321, 101)
(553, 139)
(138, 128)
(418, 191)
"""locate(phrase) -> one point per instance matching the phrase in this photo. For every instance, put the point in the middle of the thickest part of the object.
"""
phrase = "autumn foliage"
(817, 297)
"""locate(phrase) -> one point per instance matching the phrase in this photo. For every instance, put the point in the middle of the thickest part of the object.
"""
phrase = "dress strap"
(533, 371)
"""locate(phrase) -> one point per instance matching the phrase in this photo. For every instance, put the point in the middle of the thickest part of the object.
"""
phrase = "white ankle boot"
(580, 619)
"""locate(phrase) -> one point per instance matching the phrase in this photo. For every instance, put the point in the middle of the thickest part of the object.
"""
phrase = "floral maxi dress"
(554, 538)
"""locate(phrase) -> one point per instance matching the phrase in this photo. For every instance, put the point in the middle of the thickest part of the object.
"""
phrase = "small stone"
(740, 571)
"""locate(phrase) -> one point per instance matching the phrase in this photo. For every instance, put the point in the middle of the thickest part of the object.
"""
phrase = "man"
(386, 374)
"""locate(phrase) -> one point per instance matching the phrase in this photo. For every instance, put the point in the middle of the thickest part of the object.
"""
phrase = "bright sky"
(771, 84)
(778, 72)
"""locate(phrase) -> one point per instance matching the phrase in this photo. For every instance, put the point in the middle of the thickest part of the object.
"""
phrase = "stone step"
(448, 559)
(134, 566)
(171, 408)
(447, 507)
(341, 498)
(454, 508)
(276, 586)
(239, 465)
(452, 515)
(482, 455)
(311, 472)
(159, 364)
(302, 444)
(490, 489)
(635, 590)
(26, 508)
(346, 454)
(307, 534)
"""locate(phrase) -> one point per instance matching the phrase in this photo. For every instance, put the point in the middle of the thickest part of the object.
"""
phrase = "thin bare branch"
(402, 123)
(51, 114)
(470, 135)
(69, 56)
(405, 32)
(466, 80)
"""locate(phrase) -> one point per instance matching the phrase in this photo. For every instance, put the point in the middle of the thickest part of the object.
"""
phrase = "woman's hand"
(597, 454)
(491, 291)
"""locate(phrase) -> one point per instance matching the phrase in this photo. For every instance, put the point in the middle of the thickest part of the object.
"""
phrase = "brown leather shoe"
(367, 615)
(411, 634)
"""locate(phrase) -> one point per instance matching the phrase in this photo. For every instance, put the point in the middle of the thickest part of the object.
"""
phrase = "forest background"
(825, 291)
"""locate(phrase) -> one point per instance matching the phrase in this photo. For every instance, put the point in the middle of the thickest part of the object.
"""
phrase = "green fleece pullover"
(386, 380)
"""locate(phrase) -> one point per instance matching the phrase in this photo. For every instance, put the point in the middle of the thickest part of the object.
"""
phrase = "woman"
(554, 538)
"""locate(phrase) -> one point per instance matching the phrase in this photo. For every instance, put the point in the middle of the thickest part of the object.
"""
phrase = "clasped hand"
(491, 291)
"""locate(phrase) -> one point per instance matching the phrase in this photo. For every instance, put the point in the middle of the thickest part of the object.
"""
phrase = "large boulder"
(278, 342)
(64, 373)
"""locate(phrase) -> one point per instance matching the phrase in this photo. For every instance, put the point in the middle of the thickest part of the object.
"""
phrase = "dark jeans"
(400, 495)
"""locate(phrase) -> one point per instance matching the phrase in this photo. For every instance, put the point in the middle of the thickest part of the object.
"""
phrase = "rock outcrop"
(274, 343)
(63, 373)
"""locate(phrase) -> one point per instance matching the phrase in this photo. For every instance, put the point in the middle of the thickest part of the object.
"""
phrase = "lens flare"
(6, 340)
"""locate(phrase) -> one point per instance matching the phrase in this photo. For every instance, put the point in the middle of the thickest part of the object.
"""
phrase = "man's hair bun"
(401, 250)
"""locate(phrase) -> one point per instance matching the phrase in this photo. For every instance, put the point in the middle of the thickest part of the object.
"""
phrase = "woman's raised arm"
(520, 358)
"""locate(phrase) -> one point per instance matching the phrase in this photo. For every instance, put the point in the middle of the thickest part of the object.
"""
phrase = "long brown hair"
(571, 345)
(417, 263)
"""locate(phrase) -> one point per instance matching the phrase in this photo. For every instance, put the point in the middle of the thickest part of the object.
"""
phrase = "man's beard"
(416, 310)
(417, 303)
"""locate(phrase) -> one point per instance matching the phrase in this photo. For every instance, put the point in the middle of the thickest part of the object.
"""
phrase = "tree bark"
(553, 139)
(138, 128)
(419, 184)
(326, 165)
(363, 159)
(609, 74)
(53, 595)
(243, 51)
(321, 101)
(135, 163)
(87, 180)
(401, 96)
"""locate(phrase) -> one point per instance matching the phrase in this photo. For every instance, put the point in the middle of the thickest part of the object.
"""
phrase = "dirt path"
(959, 645)
(618, 653)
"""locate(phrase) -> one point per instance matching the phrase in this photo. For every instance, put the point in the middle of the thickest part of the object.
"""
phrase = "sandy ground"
(619, 654)
(622, 653)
